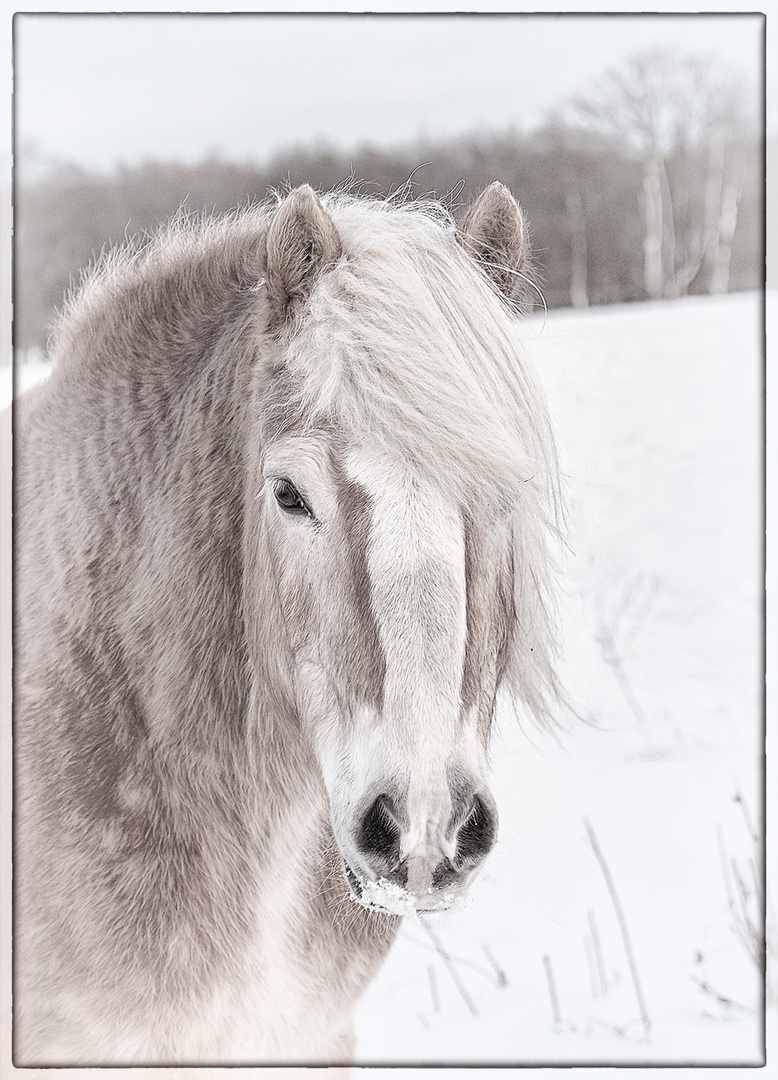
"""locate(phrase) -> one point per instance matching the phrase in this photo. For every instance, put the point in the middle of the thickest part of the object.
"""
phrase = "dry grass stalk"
(622, 926)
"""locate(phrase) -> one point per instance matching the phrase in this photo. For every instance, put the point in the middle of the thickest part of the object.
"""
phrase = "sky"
(99, 90)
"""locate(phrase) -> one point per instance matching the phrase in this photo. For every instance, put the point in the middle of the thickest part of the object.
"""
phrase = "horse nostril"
(444, 874)
(476, 833)
(379, 833)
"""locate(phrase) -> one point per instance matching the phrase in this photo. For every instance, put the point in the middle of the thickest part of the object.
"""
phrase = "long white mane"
(405, 340)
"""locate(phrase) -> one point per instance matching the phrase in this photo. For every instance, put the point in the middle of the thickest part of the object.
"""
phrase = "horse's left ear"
(302, 240)
(495, 235)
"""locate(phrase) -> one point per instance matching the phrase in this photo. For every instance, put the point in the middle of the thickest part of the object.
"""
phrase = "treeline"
(591, 201)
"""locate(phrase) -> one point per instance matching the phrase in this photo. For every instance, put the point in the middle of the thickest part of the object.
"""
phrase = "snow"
(640, 817)
(385, 895)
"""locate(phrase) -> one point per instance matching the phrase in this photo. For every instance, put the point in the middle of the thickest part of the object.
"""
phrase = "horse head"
(402, 497)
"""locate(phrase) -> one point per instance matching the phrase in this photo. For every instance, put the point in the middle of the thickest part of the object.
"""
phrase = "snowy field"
(618, 920)
(659, 415)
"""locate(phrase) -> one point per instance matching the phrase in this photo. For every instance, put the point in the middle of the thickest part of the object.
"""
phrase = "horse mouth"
(353, 883)
(391, 898)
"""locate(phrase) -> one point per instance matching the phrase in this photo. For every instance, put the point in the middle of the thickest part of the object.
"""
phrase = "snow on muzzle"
(419, 855)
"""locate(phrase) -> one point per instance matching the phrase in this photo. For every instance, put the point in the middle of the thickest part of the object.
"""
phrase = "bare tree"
(579, 262)
(683, 117)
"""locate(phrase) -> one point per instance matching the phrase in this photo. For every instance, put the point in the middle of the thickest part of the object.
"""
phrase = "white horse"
(283, 515)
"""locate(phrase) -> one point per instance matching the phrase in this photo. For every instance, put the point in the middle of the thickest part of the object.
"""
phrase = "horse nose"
(448, 851)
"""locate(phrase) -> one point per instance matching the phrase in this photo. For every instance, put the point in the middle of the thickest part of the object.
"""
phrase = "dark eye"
(289, 498)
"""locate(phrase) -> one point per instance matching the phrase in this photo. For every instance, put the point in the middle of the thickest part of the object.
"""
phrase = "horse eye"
(289, 498)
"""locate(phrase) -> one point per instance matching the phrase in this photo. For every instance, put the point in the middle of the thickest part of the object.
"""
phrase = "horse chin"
(392, 899)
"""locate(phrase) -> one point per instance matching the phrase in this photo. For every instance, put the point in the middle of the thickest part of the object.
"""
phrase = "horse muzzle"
(403, 865)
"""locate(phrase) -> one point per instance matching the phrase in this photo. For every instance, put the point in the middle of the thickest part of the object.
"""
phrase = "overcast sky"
(99, 90)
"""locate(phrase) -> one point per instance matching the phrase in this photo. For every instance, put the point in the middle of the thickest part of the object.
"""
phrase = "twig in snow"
(725, 865)
(738, 798)
(749, 934)
(747, 930)
(621, 1032)
(434, 989)
(444, 956)
(637, 595)
(502, 978)
(622, 679)
(721, 998)
(622, 926)
(608, 633)
(590, 961)
(559, 1023)
(460, 961)
(601, 976)
(552, 992)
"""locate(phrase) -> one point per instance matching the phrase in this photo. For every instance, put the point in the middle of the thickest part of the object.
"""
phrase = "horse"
(284, 517)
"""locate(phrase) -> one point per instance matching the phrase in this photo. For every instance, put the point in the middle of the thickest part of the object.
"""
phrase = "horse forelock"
(405, 349)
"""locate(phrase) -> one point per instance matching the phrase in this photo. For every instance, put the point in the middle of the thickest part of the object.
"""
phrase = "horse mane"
(403, 340)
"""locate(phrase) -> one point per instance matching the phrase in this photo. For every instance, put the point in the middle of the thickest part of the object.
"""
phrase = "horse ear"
(302, 241)
(495, 235)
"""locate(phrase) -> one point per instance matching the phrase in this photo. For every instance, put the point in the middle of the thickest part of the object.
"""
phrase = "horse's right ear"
(302, 240)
